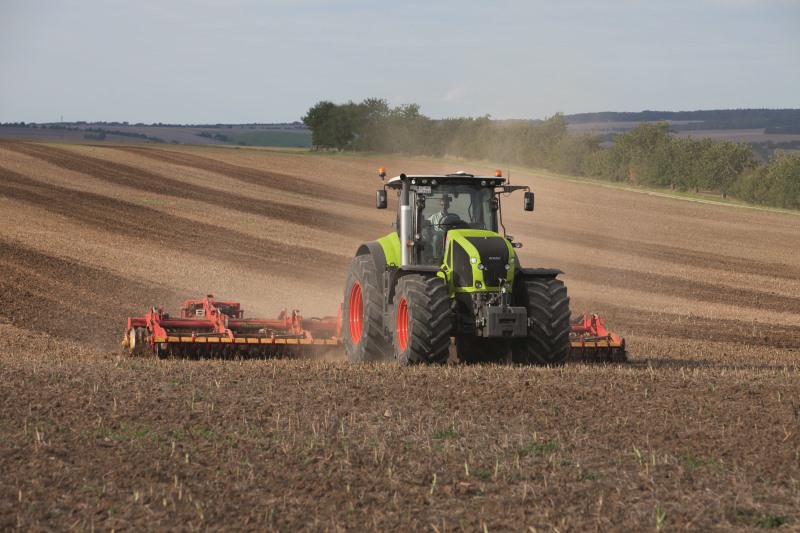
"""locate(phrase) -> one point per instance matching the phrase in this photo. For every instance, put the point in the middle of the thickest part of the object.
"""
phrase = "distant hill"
(771, 120)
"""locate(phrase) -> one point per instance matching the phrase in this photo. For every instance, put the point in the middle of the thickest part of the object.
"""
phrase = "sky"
(269, 61)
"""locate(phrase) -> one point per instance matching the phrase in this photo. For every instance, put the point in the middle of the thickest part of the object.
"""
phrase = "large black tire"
(548, 333)
(472, 350)
(362, 313)
(422, 320)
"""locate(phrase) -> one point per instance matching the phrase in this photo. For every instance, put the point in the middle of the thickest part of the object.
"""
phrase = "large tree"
(319, 121)
(722, 163)
(783, 175)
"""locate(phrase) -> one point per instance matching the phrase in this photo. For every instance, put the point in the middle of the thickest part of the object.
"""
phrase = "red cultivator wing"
(590, 341)
(207, 328)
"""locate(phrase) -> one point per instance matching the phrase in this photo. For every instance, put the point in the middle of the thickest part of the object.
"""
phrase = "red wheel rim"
(356, 312)
(402, 324)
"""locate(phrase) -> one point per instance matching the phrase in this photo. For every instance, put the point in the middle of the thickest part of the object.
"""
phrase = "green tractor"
(450, 271)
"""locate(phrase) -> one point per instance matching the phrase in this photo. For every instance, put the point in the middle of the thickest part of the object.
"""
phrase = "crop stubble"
(699, 431)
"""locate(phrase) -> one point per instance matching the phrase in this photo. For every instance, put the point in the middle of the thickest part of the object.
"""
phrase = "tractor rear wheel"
(423, 325)
(548, 314)
(362, 314)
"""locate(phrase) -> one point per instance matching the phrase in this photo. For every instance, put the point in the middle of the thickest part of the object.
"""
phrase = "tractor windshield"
(451, 206)
(466, 203)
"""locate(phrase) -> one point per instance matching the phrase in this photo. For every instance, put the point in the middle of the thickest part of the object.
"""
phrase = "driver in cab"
(439, 223)
(436, 218)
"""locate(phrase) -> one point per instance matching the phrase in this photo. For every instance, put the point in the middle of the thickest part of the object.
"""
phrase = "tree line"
(649, 154)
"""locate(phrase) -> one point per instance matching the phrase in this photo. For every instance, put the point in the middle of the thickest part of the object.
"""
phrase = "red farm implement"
(590, 341)
(208, 328)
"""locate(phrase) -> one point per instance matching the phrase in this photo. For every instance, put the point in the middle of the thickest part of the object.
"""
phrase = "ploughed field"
(700, 430)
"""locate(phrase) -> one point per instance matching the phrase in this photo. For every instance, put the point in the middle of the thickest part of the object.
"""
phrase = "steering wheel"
(449, 221)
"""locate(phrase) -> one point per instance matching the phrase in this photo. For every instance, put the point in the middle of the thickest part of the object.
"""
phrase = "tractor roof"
(457, 178)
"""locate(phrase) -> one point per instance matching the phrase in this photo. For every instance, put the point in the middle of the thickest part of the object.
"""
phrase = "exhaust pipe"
(405, 221)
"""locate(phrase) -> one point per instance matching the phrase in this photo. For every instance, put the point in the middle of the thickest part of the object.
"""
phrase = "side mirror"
(527, 202)
(380, 199)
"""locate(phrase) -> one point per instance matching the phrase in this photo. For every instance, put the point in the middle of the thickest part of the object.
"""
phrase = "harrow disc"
(136, 342)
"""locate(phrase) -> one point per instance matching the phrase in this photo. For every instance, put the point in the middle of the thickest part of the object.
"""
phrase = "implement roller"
(210, 329)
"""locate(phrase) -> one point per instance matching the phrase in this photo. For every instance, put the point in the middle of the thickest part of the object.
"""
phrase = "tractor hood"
(478, 260)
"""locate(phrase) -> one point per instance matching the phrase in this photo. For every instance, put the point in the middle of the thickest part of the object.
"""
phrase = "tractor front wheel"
(547, 342)
(422, 320)
(362, 315)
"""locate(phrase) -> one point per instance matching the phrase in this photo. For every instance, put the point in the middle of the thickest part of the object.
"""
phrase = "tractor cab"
(441, 203)
(449, 206)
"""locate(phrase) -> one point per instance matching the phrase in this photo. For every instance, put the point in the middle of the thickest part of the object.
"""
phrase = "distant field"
(277, 135)
(609, 127)
(743, 135)
(277, 138)
(767, 141)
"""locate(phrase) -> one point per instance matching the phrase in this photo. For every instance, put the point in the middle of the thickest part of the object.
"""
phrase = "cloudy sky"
(241, 61)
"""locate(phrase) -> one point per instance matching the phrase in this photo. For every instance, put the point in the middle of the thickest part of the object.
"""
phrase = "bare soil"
(699, 431)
